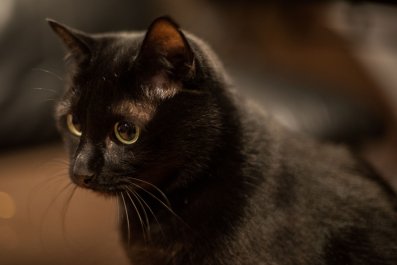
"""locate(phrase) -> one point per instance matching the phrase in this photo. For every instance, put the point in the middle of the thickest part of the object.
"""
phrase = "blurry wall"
(281, 50)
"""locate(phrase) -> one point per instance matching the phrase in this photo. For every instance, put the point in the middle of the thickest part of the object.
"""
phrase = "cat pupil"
(126, 132)
(76, 123)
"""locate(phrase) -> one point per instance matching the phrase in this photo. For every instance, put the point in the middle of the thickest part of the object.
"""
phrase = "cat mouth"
(97, 184)
(105, 189)
(142, 182)
(129, 184)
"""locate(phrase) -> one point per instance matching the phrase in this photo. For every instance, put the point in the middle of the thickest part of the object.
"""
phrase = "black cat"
(203, 175)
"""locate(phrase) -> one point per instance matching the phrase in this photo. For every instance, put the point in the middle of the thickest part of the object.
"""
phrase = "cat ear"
(77, 42)
(165, 47)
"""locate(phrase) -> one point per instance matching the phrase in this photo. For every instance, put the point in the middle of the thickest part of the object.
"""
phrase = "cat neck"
(215, 196)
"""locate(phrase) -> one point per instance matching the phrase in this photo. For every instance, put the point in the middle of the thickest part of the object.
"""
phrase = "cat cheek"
(71, 143)
(109, 143)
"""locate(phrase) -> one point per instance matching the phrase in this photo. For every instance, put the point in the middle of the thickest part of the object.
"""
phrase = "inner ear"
(166, 47)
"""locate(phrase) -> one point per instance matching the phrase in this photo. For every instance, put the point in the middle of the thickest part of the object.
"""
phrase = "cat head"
(141, 109)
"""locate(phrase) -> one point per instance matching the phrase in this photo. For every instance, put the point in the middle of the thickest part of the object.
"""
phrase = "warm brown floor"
(32, 181)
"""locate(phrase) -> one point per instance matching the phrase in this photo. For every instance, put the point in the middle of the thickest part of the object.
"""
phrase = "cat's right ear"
(77, 42)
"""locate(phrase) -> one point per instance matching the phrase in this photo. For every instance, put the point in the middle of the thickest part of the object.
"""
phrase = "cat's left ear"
(165, 47)
(77, 42)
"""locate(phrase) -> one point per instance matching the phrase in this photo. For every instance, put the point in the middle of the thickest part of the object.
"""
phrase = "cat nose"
(82, 174)
(85, 181)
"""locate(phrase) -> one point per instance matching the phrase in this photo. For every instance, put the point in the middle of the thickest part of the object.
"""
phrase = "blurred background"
(327, 69)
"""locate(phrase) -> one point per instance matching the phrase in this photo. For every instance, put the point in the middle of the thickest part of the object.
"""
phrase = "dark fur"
(242, 189)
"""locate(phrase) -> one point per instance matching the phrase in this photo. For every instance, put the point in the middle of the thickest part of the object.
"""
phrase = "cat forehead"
(126, 92)
(112, 52)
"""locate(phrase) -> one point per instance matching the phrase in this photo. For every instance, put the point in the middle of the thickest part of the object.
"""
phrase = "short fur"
(242, 189)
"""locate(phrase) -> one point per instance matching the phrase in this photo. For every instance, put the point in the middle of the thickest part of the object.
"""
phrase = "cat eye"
(126, 132)
(73, 125)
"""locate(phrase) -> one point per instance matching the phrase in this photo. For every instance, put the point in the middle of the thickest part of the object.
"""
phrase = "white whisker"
(118, 209)
(144, 211)
(162, 203)
(46, 212)
(66, 207)
(150, 210)
(127, 218)
(44, 89)
(155, 187)
(48, 72)
(139, 215)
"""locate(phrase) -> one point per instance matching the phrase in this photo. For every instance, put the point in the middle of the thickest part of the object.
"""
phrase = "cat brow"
(139, 110)
(62, 108)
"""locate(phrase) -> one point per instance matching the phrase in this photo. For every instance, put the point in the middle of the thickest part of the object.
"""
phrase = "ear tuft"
(77, 42)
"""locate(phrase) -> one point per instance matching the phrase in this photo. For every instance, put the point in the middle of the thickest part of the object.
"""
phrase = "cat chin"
(128, 185)
(108, 190)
